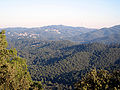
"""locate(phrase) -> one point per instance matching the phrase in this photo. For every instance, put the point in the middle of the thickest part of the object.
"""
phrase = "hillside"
(105, 35)
(59, 63)
(64, 62)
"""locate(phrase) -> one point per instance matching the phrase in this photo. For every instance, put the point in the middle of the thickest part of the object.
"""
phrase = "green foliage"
(62, 62)
(99, 80)
(14, 74)
(3, 42)
(36, 85)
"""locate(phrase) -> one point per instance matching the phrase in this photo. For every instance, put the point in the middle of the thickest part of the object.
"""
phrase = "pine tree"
(14, 74)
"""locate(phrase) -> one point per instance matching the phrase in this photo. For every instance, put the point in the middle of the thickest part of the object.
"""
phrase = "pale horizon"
(77, 13)
(58, 24)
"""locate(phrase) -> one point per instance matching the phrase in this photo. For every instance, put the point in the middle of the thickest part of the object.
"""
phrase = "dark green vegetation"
(14, 74)
(99, 80)
(59, 63)
(62, 63)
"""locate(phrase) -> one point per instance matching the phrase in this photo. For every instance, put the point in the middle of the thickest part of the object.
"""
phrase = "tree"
(99, 80)
(14, 74)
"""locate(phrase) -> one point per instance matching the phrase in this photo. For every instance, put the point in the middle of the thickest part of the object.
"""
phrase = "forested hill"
(62, 63)
(104, 35)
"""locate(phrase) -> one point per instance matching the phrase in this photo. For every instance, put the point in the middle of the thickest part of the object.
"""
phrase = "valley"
(62, 62)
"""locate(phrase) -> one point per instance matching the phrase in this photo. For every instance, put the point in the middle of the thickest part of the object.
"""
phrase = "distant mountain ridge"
(53, 32)
(61, 32)
(105, 35)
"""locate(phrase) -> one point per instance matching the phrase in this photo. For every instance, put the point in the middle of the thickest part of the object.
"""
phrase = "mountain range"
(61, 32)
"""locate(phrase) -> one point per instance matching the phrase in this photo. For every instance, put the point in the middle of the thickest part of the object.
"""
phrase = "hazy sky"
(36, 13)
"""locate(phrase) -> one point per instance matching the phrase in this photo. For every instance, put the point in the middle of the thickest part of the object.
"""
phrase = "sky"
(37, 13)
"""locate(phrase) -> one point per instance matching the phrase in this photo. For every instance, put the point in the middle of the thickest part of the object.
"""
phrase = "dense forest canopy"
(64, 62)
(99, 80)
(57, 64)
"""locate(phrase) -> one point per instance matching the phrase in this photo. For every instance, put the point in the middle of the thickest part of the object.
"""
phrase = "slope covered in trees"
(99, 80)
(62, 63)
(14, 74)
